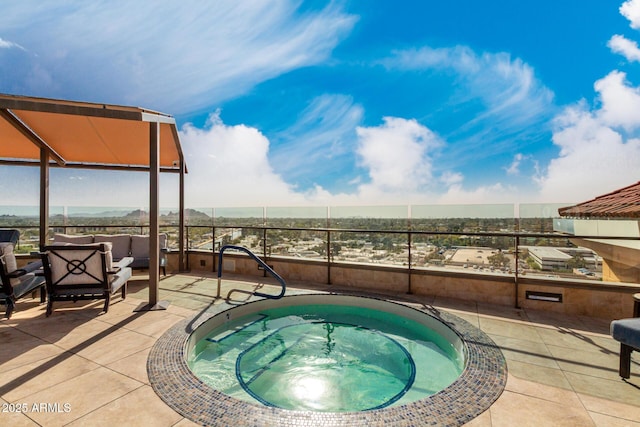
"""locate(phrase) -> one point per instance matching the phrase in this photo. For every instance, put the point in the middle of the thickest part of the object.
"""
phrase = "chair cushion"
(139, 246)
(109, 263)
(627, 331)
(76, 266)
(76, 240)
(9, 260)
(121, 244)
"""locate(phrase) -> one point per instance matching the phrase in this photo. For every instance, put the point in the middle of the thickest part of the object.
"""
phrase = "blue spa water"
(330, 358)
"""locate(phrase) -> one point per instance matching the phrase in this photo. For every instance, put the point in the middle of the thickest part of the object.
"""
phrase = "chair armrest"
(29, 268)
(124, 262)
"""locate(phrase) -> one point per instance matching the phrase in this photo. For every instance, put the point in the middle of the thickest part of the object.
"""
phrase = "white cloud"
(625, 47)
(229, 166)
(397, 154)
(620, 103)
(594, 157)
(514, 167)
(481, 195)
(321, 141)
(631, 10)
(171, 56)
(5, 44)
(450, 178)
(508, 87)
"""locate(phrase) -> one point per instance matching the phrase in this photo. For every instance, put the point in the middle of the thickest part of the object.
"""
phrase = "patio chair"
(627, 333)
(83, 272)
(15, 282)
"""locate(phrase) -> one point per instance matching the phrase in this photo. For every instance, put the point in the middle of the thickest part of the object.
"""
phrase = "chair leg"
(106, 303)
(10, 307)
(625, 360)
(124, 290)
(49, 306)
(43, 295)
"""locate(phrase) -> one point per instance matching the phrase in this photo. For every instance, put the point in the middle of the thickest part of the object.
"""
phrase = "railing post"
(409, 290)
(329, 255)
(517, 259)
(213, 247)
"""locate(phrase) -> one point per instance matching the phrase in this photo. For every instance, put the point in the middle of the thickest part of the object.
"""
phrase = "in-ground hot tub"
(326, 353)
(329, 359)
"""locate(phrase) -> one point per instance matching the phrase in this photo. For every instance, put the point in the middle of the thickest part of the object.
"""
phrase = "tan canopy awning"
(50, 132)
(81, 134)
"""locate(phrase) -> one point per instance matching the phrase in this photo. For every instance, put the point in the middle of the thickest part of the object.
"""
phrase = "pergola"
(58, 133)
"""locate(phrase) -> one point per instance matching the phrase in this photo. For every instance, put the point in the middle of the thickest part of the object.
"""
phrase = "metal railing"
(264, 265)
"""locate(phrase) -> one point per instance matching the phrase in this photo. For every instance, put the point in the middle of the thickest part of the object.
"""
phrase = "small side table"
(636, 305)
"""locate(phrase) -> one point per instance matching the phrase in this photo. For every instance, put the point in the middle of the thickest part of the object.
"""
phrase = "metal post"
(517, 259)
(409, 290)
(154, 227)
(329, 256)
(44, 197)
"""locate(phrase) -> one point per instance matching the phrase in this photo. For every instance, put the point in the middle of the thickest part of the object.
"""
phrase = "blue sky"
(346, 102)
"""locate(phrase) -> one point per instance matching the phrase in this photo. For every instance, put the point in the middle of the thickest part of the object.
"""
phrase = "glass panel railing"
(199, 216)
(463, 218)
(249, 217)
(301, 244)
(297, 217)
(369, 217)
(370, 247)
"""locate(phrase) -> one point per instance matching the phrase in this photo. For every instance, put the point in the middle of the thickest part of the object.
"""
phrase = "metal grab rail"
(259, 261)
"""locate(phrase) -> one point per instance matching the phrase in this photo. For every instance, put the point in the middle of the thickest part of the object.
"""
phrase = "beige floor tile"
(593, 363)
(15, 415)
(116, 346)
(525, 351)
(83, 394)
(509, 329)
(29, 379)
(615, 390)
(454, 305)
(185, 423)
(482, 420)
(542, 391)
(578, 340)
(610, 408)
(84, 335)
(502, 312)
(19, 348)
(153, 323)
(552, 319)
(134, 366)
(142, 407)
(53, 328)
(538, 374)
(601, 420)
(515, 409)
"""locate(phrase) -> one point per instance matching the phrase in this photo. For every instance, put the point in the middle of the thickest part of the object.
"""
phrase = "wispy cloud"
(513, 101)
(174, 56)
(5, 44)
(321, 142)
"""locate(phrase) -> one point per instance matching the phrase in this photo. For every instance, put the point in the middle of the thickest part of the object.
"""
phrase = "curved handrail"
(259, 261)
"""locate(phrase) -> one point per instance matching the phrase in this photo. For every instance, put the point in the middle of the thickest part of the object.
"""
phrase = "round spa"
(332, 359)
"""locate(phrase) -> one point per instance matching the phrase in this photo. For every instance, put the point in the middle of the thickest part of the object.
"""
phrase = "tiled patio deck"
(82, 368)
